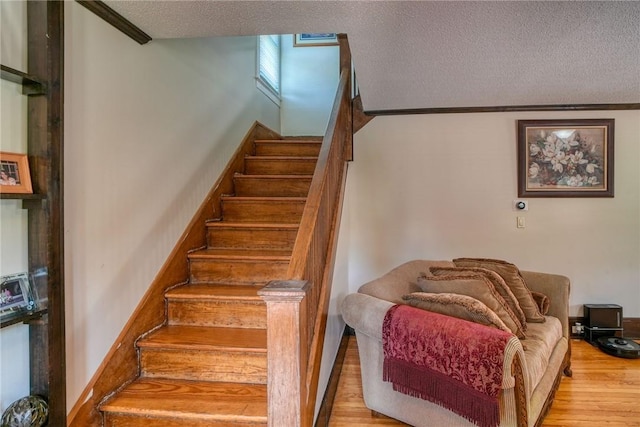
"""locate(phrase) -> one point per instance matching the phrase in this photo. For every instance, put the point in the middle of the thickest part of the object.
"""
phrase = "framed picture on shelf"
(15, 295)
(315, 39)
(565, 158)
(14, 173)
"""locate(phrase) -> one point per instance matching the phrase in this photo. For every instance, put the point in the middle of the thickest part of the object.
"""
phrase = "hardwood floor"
(604, 391)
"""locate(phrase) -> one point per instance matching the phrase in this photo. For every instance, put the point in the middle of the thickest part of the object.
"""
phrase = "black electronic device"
(603, 315)
(601, 321)
(619, 347)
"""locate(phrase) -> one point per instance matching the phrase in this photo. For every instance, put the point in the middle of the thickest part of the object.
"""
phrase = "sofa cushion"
(455, 305)
(512, 277)
(542, 338)
(400, 281)
(497, 281)
(478, 287)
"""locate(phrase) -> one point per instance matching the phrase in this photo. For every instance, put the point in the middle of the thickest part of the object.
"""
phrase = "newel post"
(286, 352)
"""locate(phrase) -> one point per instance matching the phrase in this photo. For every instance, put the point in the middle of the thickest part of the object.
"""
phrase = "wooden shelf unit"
(43, 83)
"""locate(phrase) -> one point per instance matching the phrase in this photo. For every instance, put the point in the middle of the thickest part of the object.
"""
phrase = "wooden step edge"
(150, 344)
(289, 141)
(246, 258)
(147, 415)
(206, 338)
(300, 177)
(252, 225)
(279, 158)
(210, 297)
(215, 292)
(263, 199)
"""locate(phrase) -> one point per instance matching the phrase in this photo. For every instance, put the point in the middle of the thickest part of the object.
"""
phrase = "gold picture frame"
(565, 158)
(14, 173)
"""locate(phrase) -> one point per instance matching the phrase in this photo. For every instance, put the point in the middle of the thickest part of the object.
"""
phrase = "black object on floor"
(619, 347)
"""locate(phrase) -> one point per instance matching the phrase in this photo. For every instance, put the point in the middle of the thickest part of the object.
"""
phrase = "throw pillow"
(478, 287)
(511, 275)
(542, 300)
(495, 279)
(455, 305)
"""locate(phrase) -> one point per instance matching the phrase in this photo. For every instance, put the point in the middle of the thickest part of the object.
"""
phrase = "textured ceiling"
(432, 54)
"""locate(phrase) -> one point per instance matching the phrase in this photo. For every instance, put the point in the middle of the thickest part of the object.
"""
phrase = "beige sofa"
(536, 367)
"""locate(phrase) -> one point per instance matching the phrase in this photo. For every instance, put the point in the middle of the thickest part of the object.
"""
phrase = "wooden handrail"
(293, 378)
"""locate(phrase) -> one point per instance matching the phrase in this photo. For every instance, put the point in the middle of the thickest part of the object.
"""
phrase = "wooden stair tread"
(263, 199)
(316, 140)
(197, 400)
(215, 291)
(249, 254)
(279, 158)
(206, 338)
(244, 225)
(273, 176)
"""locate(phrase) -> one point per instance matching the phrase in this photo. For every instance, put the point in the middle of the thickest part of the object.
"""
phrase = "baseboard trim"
(332, 387)
(630, 326)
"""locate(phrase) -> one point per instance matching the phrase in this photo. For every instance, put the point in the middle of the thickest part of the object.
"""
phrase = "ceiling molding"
(505, 108)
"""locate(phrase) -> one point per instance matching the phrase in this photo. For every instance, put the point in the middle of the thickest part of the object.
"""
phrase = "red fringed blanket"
(452, 362)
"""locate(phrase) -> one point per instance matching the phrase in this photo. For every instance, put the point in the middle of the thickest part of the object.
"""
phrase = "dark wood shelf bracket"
(30, 84)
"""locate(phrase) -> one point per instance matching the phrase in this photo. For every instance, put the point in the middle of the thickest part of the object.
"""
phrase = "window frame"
(262, 83)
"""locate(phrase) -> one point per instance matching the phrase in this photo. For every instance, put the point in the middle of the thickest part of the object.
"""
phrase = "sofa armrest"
(557, 288)
(365, 313)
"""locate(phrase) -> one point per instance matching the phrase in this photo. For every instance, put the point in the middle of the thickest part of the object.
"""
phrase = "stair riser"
(211, 271)
(268, 211)
(270, 187)
(236, 314)
(279, 166)
(267, 238)
(224, 366)
(123, 420)
(288, 149)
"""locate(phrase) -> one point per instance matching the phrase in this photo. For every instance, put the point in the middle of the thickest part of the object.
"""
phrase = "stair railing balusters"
(298, 305)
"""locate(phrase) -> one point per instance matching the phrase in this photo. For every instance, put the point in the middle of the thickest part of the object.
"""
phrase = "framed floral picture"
(565, 158)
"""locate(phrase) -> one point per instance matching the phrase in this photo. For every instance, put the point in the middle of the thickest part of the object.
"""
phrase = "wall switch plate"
(521, 205)
(520, 222)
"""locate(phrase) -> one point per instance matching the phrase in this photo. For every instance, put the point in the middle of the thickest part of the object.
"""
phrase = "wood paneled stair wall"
(207, 363)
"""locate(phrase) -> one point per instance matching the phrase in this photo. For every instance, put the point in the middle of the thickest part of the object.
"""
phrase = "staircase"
(206, 365)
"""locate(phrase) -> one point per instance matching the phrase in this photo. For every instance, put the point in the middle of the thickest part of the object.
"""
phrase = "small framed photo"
(15, 295)
(565, 158)
(317, 39)
(14, 173)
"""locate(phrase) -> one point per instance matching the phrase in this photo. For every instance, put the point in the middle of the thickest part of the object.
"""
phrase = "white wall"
(309, 82)
(442, 186)
(14, 340)
(148, 130)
